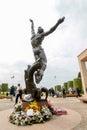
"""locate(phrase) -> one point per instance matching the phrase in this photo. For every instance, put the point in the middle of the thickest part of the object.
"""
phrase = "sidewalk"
(71, 104)
(6, 104)
(63, 122)
(75, 104)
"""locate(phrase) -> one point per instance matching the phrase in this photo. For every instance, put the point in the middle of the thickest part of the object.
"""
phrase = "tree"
(58, 88)
(65, 86)
(70, 84)
(77, 83)
(0, 89)
(79, 75)
(4, 87)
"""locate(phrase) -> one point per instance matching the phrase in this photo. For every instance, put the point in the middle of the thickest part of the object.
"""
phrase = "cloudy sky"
(61, 47)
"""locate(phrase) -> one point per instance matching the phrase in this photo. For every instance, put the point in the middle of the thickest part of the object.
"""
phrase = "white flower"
(30, 112)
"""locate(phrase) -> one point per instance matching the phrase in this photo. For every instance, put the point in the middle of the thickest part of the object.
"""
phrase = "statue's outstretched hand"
(31, 20)
(61, 20)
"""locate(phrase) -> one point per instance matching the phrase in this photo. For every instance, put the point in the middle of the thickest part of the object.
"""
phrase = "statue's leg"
(40, 72)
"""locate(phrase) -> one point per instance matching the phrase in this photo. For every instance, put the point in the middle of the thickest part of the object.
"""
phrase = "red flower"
(10, 117)
(49, 104)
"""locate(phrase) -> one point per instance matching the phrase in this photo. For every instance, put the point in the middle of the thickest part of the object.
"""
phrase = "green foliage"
(4, 87)
(77, 83)
(0, 89)
(58, 88)
(70, 84)
(79, 75)
(65, 86)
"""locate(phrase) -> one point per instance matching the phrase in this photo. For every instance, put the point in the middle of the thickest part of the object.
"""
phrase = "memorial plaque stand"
(40, 103)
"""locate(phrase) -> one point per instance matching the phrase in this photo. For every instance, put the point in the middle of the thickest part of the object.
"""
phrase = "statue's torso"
(36, 42)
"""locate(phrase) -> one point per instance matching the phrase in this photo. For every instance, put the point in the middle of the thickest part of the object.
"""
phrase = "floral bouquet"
(32, 114)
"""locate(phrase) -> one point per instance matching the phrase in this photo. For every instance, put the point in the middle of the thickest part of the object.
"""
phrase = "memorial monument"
(34, 109)
(34, 73)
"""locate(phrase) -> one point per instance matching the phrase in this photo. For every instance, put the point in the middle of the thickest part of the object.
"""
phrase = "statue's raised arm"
(54, 27)
(32, 27)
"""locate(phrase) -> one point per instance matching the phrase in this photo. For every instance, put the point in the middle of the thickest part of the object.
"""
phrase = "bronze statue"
(36, 42)
(36, 71)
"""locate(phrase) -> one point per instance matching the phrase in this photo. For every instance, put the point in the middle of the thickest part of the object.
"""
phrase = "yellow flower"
(33, 105)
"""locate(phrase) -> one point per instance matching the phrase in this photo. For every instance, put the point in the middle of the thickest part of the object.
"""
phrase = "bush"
(70, 84)
(58, 88)
(71, 95)
(66, 86)
(77, 83)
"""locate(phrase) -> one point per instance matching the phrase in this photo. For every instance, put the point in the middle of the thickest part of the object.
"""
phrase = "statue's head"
(40, 30)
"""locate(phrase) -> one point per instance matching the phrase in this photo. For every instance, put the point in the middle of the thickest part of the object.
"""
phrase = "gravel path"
(69, 103)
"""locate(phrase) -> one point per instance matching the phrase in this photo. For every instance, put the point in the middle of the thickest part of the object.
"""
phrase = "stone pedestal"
(40, 103)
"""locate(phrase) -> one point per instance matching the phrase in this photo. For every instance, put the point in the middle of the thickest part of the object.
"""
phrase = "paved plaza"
(76, 119)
